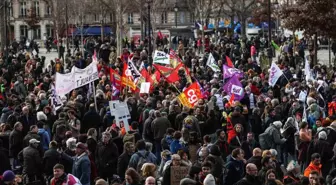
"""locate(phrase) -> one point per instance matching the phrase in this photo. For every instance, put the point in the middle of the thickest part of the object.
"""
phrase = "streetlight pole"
(269, 52)
(149, 32)
(67, 25)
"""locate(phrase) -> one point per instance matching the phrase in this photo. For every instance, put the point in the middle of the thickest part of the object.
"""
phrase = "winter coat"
(275, 138)
(255, 160)
(5, 114)
(30, 136)
(133, 163)
(52, 157)
(235, 171)
(249, 180)
(15, 143)
(147, 133)
(32, 161)
(159, 127)
(106, 158)
(4, 160)
(45, 138)
(223, 148)
(91, 119)
(122, 165)
(82, 169)
(27, 121)
(175, 146)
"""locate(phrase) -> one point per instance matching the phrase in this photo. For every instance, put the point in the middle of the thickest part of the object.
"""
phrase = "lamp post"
(270, 51)
(149, 31)
(175, 10)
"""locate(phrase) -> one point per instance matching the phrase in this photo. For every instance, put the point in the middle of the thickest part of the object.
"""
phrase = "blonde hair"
(148, 169)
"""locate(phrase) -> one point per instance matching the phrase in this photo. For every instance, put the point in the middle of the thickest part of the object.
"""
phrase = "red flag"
(159, 34)
(190, 96)
(115, 78)
(127, 79)
(229, 62)
(231, 99)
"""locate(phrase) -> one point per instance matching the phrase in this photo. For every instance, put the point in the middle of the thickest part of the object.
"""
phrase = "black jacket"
(91, 119)
(106, 158)
(255, 160)
(249, 180)
(30, 136)
(52, 157)
(32, 161)
(4, 160)
(15, 143)
(122, 166)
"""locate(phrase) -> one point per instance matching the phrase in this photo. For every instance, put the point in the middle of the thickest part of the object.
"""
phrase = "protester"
(217, 111)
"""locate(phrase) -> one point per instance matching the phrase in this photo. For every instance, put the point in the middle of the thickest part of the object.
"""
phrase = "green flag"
(276, 47)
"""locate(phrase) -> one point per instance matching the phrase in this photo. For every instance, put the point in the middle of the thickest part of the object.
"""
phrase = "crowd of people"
(281, 135)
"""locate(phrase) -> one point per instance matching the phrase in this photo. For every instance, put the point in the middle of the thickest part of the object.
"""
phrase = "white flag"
(212, 63)
(308, 74)
(274, 74)
(161, 57)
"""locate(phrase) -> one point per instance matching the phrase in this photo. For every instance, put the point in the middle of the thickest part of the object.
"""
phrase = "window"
(95, 17)
(23, 9)
(130, 18)
(37, 32)
(49, 31)
(37, 8)
(48, 10)
(164, 18)
(111, 17)
(182, 17)
(24, 30)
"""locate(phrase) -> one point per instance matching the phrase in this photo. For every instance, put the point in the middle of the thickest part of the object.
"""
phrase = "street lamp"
(176, 10)
(270, 51)
(149, 31)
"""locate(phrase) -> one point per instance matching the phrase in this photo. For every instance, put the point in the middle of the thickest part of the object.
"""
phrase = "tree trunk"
(315, 49)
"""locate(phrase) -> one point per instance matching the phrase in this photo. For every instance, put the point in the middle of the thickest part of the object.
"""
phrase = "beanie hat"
(8, 176)
(322, 135)
(209, 180)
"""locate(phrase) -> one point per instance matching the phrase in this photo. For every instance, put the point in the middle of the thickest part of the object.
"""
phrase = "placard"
(177, 173)
(145, 86)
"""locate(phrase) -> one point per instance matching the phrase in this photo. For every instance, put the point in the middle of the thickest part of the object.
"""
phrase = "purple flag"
(229, 72)
(233, 86)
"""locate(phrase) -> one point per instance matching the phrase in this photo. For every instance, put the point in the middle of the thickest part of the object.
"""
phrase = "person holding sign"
(174, 173)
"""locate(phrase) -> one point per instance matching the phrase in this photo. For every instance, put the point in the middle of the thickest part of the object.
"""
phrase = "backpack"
(129, 137)
(265, 140)
(142, 160)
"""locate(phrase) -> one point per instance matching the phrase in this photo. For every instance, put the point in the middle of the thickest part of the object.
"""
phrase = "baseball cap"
(33, 141)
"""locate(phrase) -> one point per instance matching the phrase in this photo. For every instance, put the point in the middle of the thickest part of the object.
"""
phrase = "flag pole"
(285, 77)
(94, 95)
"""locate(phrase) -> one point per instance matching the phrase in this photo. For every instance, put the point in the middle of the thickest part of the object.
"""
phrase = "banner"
(130, 75)
(56, 101)
(229, 72)
(86, 75)
(233, 86)
(177, 173)
(64, 83)
(191, 95)
(161, 57)
(274, 74)
(212, 63)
